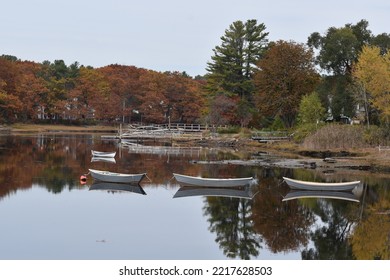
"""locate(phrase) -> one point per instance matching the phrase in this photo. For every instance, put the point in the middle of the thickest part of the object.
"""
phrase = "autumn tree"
(222, 110)
(338, 49)
(10, 104)
(287, 72)
(125, 88)
(90, 96)
(29, 89)
(153, 100)
(372, 73)
(184, 97)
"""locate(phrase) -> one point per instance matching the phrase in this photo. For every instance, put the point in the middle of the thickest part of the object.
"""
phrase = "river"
(46, 212)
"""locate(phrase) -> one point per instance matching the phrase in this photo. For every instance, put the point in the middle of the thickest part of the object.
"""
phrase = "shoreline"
(369, 159)
(18, 129)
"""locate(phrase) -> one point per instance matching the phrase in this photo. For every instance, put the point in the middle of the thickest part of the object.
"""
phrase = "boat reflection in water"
(245, 192)
(117, 187)
(186, 180)
(353, 195)
(103, 159)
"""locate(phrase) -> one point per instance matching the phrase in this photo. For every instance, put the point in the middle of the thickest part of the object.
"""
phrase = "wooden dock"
(160, 131)
(271, 136)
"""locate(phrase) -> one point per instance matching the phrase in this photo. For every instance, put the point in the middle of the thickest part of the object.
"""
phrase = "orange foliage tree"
(55, 91)
(10, 104)
(287, 72)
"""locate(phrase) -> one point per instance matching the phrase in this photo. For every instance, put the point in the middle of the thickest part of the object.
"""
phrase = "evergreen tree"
(234, 61)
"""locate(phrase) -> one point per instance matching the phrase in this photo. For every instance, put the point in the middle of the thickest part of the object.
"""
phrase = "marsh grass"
(336, 136)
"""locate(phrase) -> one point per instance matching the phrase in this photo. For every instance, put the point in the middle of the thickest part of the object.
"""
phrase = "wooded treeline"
(30, 91)
(250, 82)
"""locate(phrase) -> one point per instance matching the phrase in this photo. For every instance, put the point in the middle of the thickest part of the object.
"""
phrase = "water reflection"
(117, 187)
(231, 220)
(244, 224)
(321, 194)
(236, 192)
(103, 159)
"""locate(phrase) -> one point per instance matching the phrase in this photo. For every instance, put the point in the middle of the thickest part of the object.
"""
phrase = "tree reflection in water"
(285, 227)
(338, 220)
(230, 219)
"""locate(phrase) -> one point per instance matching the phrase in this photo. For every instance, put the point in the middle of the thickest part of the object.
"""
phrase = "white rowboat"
(103, 154)
(107, 176)
(212, 182)
(305, 185)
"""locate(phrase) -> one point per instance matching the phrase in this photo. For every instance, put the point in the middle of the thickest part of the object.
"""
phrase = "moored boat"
(103, 154)
(212, 182)
(320, 186)
(107, 176)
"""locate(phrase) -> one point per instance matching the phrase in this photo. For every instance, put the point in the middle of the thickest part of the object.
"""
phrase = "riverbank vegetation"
(341, 76)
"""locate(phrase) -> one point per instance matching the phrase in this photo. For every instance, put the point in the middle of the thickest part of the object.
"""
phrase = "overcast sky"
(167, 35)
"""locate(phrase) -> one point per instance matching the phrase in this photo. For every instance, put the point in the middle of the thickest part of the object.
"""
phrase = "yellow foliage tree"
(372, 72)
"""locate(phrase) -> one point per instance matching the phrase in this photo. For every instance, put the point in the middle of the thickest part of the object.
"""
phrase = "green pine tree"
(234, 61)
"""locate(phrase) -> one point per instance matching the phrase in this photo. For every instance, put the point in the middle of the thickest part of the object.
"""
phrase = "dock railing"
(271, 136)
(383, 148)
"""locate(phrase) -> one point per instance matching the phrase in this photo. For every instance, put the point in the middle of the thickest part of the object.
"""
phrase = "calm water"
(46, 213)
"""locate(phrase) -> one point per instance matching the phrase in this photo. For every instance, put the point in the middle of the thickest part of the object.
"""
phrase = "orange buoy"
(83, 179)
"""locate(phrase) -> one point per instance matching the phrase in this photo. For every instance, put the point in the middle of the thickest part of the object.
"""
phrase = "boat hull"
(212, 182)
(113, 177)
(304, 185)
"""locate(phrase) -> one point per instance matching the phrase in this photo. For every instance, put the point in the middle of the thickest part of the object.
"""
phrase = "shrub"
(229, 130)
(375, 136)
(304, 130)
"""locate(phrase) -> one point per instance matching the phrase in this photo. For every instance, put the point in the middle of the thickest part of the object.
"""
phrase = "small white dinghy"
(311, 186)
(186, 180)
(107, 176)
